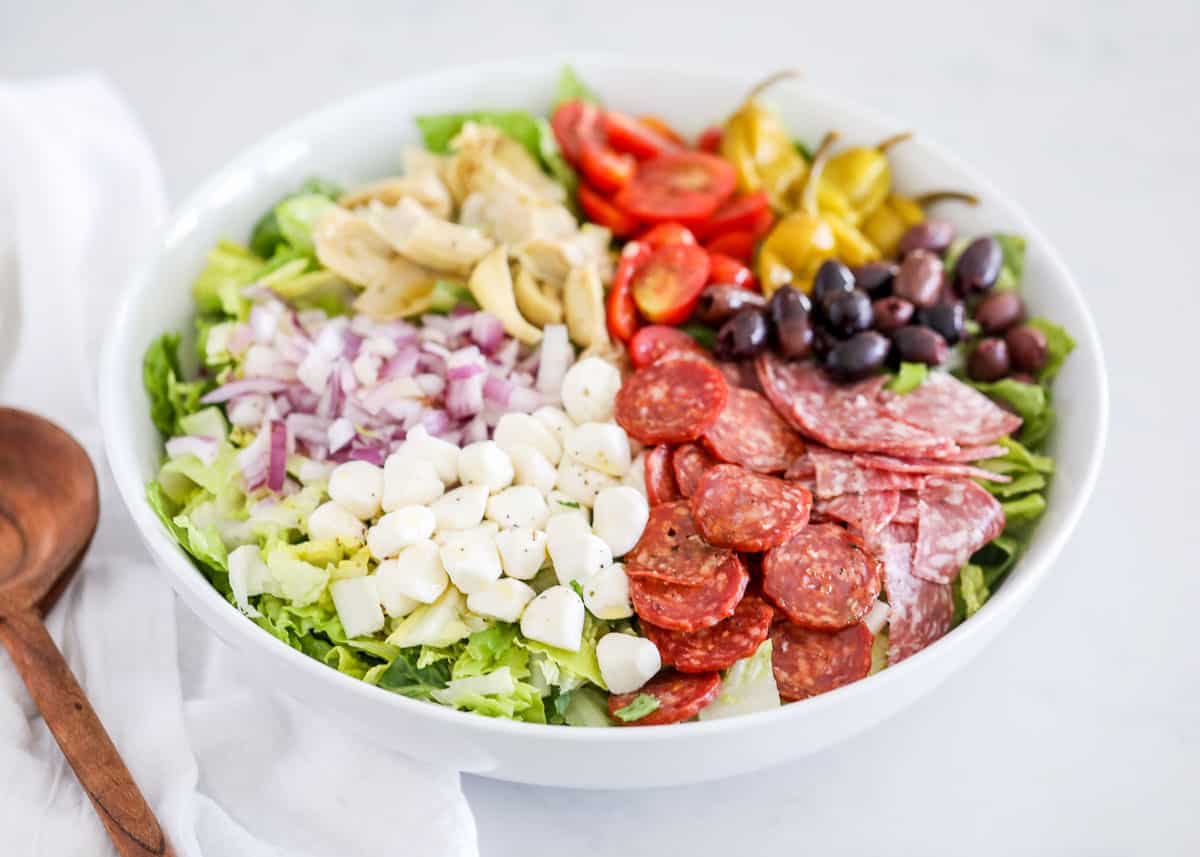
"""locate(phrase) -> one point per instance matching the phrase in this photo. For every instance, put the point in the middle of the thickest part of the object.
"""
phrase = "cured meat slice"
(661, 486)
(946, 405)
(672, 550)
(690, 462)
(926, 467)
(907, 511)
(976, 453)
(836, 473)
(673, 401)
(690, 608)
(847, 418)
(751, 433)
(867, 513)
(740, 375)
(956, 517)
(717, 647)
(807, 662)
(737, 508)
(680, 697)
(919, 612)
(823, 577)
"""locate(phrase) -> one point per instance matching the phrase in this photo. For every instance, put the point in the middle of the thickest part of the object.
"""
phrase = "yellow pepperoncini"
(761, 150)
(887, 223)
(860, 179)
(802, 240)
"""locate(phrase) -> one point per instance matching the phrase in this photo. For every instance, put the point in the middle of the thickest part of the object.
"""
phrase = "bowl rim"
(204, 600)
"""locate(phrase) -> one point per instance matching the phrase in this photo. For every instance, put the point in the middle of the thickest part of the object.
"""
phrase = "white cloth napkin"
(231, 769)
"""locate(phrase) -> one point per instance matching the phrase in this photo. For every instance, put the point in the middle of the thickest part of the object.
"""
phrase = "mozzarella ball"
(416, 574)
(600, 446)
(461, 508)
(522, 552)
(579, 558)
(627, 662)
(619, 517)
(504, 600)
(332, 520)
(485, 464)
(524, 429)
(555, 618)
(358, 486)
(635, 477)
(357, 603)
(420, 445)
(581, 483)
(399, 529)
(532, 468)
(588, 390)
(607, 593)
(470, 558)
(518, 506)
(556, 422)
(409, 482)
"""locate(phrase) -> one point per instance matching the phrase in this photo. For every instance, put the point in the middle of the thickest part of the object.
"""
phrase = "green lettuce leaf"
(746, 687)
(218, 288)
(910, 376)
(1031, 402)
(972, 589)
(171, 399)
(552, 158)
(407, 677)
(879, 652)
(1023, 510)
(202, 543)
(1058, 345)
(437, 130)
(571, 86)
(641, 705)
(296, 216)
(704, 335)
(575, 667)
(586, 706)
(269, 233)
(1013, 267)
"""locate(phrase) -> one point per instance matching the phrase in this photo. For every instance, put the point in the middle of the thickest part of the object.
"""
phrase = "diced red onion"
(431, 385)
(277, 466)
(402, 364)
(464, 371)
(436, 422)
(487, 332)
(556, 358)
(254, 461)
(307, 427)
(497, 390)
(204, 448)
(506, 355)
(374, 453)
(340, 432)
(877, 617)
(524, 399)
(264, 321)
(243, 387)
(240, 339)
(464, 398)
(475, 431)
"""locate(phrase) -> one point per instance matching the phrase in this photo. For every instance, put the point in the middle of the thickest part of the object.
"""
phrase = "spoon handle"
(85, 743)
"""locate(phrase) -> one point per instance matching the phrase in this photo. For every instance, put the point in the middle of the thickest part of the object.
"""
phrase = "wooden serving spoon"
(49, 507)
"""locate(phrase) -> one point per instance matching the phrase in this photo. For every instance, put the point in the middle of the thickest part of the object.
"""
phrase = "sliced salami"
(919, 612)
(836, 473)
(751, 433)
(907, 511)
(672, 550)
(807, 662)
(740, 375)
(976, 453)
(661, 486)
(673, 401)
(737, 508)
(926, 467)
(717, 647)
(690, 462)
(866, 513)
(803, 470)
(689, 608)
(680, 697)
(848, 418)
(946, 405)
(956, 517)
(823, 577)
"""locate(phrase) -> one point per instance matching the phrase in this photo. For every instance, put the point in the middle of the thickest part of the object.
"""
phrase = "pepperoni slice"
(747, 511)
(717, 647)
(672, 550)
(660, 477)
(673, 401)
(690, 462)
(807, 662)
(655, 341)
(822, 578)
(682, 185)
(750, 432)
(740, 375)
(690, 608)
(680, 697)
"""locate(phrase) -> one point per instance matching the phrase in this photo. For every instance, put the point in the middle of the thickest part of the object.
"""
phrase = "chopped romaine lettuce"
(1058, 345)
(1013, 267)
(296, 216)
(575, 667)
(910, 376)
(1031, 402)
(641, 705)
(879, 652)
(438, 130)
(269, 235)
(586, 706)
(571, 86)
(407, 676)
(972, 588)
(218, 289)
(747, 686)
(171, 399)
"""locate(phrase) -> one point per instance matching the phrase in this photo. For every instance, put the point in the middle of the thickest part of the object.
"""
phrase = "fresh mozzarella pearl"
(518, 506)
(332, 520)
(563, 531)
(358, 485)
(600, 446)
(619, 516)
(588, 390)
(443, 455)
(357, 602)
(409, 482)
(504, 600)
(581, 483)
(578, 557)
(486, 464)
(607, 593)
(314, 471)
(626, 662)
(532, 468)
(416, 574)
(461, 508)
(399, 529)
(517, 429)
(471, 559)
(522, 551)
(555, 618)
(558, 503)
(556, 421)
(636, 476)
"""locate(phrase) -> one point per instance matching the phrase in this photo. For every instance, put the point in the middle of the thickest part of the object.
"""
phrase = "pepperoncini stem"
(935, 196)
(887, 142)
(809, 191)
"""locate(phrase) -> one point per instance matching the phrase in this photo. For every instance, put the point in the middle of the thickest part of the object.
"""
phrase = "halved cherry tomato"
(626, 134)
(655, 340)
(726, 269)
(603, 168)
(668, 285)
(710, 139)
(739, 245)
(600, 210)
(683, 186)
(570, 120)
(660, 126)
(665, 234)
(741, 212)
(620, 311)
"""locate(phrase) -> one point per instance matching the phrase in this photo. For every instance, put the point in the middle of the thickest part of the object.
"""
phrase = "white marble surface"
(1078, 732)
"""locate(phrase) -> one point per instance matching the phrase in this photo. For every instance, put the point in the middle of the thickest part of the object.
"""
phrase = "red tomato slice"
(665, 234)
(600, 210)
(668, 285)
(660, 127)
(710, 139)
(571, 120)
(626, 134)
(620, 310)
(683, 186)
(655, 340)
(741, 212)
(604, 168)
(726, 269)
(739, 245)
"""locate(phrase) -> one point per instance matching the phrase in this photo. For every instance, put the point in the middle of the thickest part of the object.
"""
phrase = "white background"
(1078, 731)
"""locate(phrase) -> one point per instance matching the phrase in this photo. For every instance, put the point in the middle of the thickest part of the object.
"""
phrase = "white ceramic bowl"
(361, 139)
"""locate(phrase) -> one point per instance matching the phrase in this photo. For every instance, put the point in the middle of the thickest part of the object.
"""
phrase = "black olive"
(794, 337)
(998, 312)
(721, 301)
(933, 235)
(789, 302)
(848, 313)
(978, 267)
(919, 279)
(857, 357)
(989, 361)
(875, 278)
(1028, 348)
(743, 336)
(823, 341)
(832, 279)
(915, 344)
(948, 319)
(891, 313)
